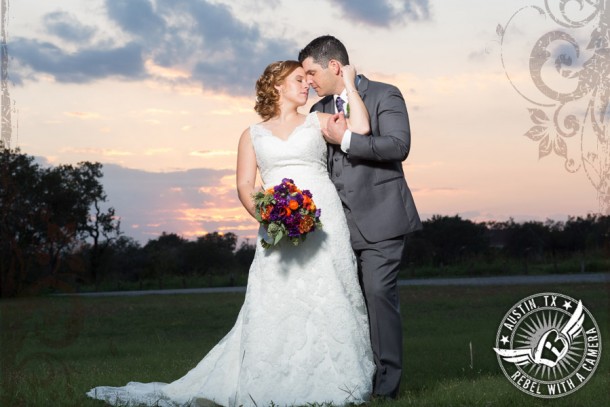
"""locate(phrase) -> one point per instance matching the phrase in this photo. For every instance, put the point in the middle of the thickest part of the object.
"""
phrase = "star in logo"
(504, 339)
(567, 305)
(551, 347)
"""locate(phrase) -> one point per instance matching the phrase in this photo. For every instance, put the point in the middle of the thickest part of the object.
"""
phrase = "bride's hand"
(349, 77)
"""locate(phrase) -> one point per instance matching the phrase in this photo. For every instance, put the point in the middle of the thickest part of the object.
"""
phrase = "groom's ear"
(334, 66)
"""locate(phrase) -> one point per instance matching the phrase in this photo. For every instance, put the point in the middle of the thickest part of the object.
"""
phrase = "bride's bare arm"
(246, 171)
(358, 120)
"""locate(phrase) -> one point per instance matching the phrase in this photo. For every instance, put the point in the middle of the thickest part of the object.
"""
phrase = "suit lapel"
(327, 105)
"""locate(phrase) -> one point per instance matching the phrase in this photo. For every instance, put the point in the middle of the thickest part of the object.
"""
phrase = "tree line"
(516, 247)
(54, 236)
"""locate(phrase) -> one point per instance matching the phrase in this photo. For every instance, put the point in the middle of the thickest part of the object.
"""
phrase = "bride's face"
(295, 88)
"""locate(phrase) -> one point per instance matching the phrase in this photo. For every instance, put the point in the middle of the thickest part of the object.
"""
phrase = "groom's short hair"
(323, 49)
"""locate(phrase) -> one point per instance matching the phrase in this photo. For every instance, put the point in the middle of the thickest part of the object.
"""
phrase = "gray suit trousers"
(378, 267)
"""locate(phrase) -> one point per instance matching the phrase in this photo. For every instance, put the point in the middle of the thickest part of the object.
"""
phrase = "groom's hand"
(335, 129)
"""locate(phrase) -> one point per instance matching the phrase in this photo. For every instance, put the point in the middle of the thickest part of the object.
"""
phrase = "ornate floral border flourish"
(583, 113)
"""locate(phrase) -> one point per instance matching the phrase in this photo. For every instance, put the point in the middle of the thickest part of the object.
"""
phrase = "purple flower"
(275, 211)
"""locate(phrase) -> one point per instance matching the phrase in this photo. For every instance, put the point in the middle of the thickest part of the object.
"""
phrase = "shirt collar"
(344, 93)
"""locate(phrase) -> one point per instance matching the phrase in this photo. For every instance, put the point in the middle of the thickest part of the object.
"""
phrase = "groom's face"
(320, 78)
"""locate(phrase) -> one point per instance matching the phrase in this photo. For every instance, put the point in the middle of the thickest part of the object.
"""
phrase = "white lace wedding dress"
(302, 333)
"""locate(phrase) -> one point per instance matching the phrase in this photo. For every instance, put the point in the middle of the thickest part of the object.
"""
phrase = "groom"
(367, 172)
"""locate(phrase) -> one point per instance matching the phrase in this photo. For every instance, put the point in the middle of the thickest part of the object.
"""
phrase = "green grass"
(228, 279)
(54, 349)
(500, 266)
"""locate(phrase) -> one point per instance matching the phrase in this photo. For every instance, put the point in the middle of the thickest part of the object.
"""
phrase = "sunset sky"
(159, 91)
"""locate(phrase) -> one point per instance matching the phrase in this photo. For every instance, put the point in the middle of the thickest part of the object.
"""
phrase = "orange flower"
(270, 191)
(305, 224)
(285, 211)
(292, 188)
(293, 204)
(266, 212)
(306, 202)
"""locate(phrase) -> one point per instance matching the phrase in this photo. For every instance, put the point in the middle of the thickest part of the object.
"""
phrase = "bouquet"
(286, 211)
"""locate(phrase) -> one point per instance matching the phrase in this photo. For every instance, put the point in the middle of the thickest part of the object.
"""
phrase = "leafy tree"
(20, 237)
(45, 216)
(245, 254)
(212, 253)
(126, 258)
(165, 255)
(451, 238)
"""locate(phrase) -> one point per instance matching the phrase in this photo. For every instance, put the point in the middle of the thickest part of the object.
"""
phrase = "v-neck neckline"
(290, 134)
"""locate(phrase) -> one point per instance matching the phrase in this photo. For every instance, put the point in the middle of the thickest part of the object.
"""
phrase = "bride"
(302, 334)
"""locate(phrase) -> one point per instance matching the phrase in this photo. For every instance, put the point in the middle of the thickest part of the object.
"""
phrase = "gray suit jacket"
(375, 187)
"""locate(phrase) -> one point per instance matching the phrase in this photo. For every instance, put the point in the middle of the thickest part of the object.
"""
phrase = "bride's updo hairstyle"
(267, 97)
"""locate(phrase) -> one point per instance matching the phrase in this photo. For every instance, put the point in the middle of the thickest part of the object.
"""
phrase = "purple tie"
(340, 102)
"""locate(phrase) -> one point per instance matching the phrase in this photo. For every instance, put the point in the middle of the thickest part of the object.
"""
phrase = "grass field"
(54, 349)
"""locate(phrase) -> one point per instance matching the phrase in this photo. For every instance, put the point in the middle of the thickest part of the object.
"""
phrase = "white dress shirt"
(347, 136)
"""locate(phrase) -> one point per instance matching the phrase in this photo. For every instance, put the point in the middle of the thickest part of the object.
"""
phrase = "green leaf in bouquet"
(257, 216)
(278, 237)
(265, 244)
